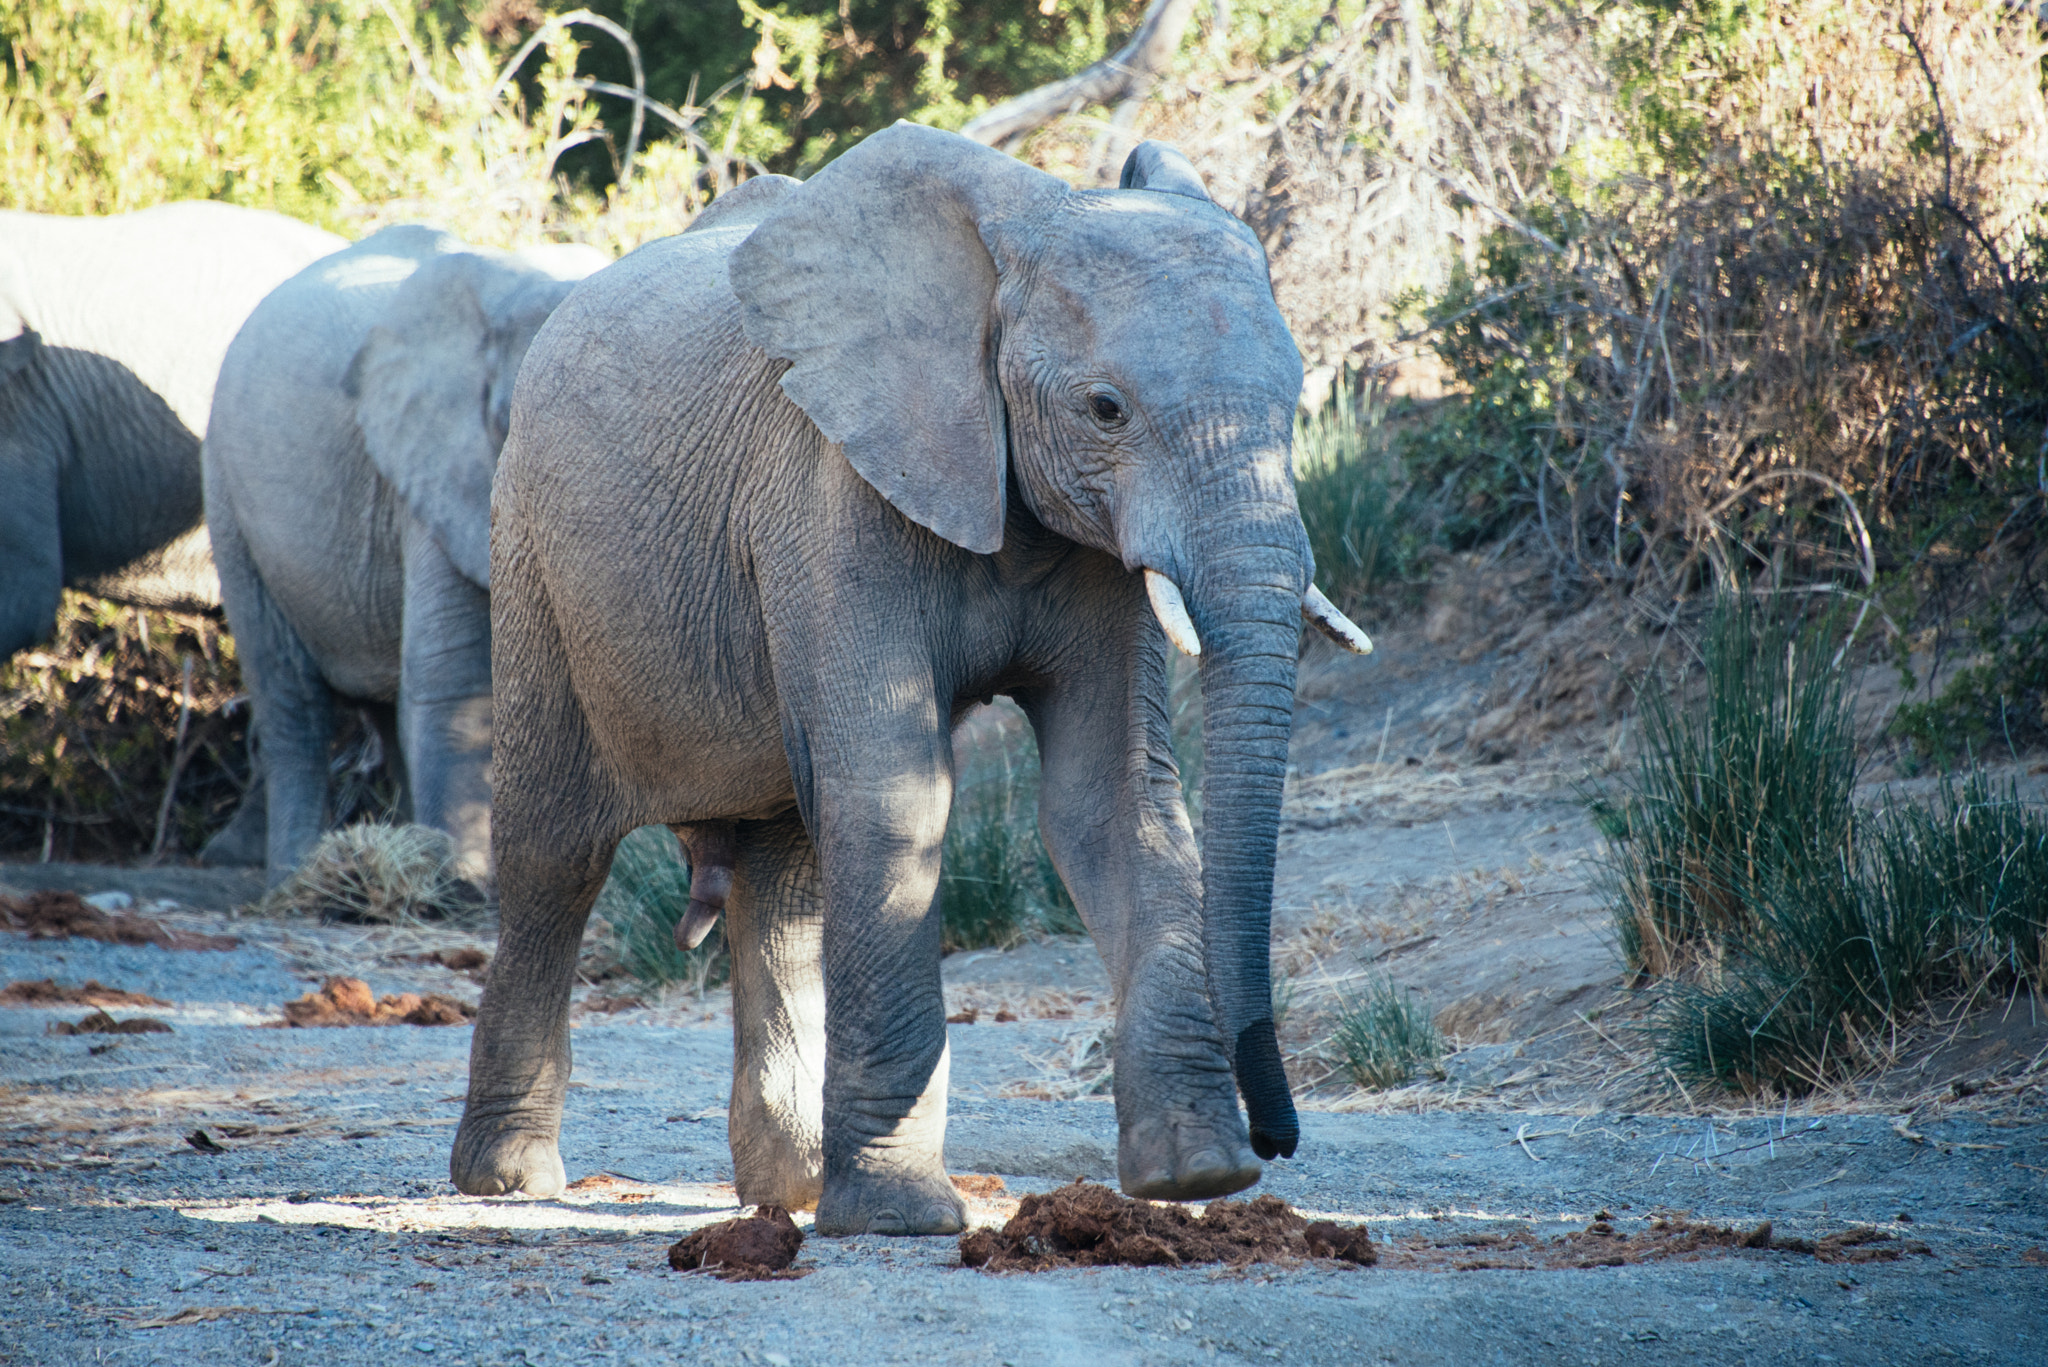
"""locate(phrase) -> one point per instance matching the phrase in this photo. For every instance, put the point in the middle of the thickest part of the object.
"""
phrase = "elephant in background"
(355, 429)
(111, 333)
(785, 496)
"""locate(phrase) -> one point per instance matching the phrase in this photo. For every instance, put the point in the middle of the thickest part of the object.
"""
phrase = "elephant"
(785, 496)
(347, 468)
(111, 333)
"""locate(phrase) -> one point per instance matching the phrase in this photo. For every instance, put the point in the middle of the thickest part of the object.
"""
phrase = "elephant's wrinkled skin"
(111, 333)
(735, 594)
(355, 429)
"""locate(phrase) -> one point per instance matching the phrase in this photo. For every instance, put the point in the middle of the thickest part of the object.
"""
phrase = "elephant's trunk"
(1249, 614)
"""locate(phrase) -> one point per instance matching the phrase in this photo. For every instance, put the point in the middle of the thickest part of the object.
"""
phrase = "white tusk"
(1332, 623)
(1172, 611)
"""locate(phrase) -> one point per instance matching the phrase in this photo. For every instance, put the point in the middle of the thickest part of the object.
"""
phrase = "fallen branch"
(1129, 73)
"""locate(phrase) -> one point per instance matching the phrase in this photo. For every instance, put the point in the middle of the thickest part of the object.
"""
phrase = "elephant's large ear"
(877, 279)
(421, 386)
(1157, 166)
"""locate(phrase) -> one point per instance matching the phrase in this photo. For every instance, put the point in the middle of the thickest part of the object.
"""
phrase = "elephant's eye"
(1107, 406)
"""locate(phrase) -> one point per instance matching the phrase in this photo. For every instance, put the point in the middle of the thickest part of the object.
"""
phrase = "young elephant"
(355, 428)
(787, 494)
(111, 333)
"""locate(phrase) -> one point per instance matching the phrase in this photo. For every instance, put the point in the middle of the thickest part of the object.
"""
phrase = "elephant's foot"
(891, 1201)
(496, 1157)
(1185, 1158)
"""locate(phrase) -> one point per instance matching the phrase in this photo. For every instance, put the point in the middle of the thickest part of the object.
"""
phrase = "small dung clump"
(46, 992)
(1085, 1225)
(349, 1001)
(67, 916)
(756, 1248)
(100, 1023)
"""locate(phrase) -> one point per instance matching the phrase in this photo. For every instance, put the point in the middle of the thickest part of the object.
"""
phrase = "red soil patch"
(100, 1023)
(979, 1186)
(349, 1001)
(45, 992)
(65, 915)
(1085, 1225)
(1665, 1239)
(758, 1248)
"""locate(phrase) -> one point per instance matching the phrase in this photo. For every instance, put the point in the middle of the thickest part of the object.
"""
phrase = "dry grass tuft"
(370, 872)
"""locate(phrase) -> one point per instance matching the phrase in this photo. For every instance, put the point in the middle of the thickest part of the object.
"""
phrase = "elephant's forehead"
(1141, 236)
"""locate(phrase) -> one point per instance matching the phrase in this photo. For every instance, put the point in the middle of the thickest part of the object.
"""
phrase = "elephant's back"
(286, 460)
(625, 491)
(161, 292)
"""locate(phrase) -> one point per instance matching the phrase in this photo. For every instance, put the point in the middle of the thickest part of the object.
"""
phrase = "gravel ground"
(327, 1233)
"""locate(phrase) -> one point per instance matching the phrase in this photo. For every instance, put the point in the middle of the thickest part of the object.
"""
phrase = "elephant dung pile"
(756, 1248)
(46, 992)
(1085, 1225)
(349, 1001)
(66, 915)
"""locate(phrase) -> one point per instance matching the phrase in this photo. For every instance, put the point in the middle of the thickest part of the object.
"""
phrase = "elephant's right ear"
(876, 280)
(420, 384)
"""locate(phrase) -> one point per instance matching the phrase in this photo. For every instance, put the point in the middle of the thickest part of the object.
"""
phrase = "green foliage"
(997, 884)
(295, 105)
(1384, 1035)
(816, 76)
(1763, 769)
(2002, 701)
(1366, 530)
(647, 893)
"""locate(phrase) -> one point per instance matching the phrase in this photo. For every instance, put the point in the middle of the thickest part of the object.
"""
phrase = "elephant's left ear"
(421, 384)
(877, 280)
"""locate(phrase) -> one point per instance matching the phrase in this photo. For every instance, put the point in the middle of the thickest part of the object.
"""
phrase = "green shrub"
(1384, 1036)
(2001, 701)
(1762, 770)
(647, 893)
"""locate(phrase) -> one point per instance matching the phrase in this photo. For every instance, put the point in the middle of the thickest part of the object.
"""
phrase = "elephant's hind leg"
(552, 838)
(519, 1058)
(290, 700)
(775, 924)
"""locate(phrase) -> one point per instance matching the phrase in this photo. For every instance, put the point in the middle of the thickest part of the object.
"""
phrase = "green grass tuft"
(1384, 1036)
(1761, 769)
(1800, 934)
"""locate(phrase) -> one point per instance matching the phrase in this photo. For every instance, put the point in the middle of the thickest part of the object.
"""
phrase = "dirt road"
(325, 1231)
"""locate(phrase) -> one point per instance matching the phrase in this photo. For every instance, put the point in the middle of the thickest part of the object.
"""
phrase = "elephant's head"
(954, 316)
(433, 384)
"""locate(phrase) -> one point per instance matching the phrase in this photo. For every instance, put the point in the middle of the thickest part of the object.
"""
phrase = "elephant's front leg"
(1111, 813)
(444, 704)
(880, 822)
